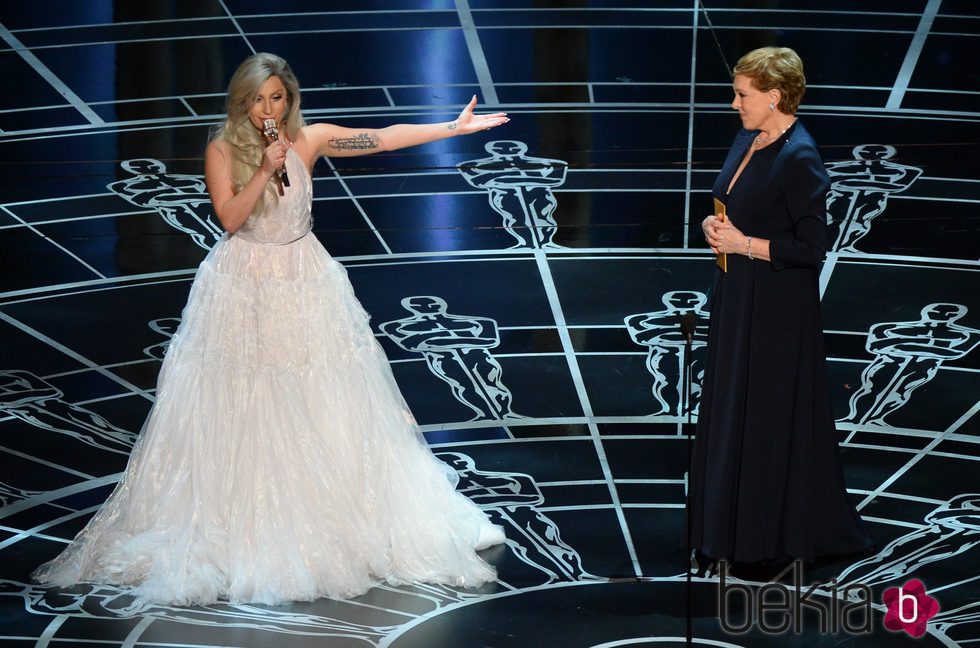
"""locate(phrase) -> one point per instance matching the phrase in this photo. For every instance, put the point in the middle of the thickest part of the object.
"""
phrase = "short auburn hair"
(775, 68)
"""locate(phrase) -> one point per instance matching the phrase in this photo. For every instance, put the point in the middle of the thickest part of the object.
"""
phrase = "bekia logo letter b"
(909, 608)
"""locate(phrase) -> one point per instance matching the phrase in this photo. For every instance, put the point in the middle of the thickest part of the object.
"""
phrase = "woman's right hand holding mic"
(275, 156)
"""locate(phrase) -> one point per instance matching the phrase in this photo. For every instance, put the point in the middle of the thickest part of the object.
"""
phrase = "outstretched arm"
(336, 141)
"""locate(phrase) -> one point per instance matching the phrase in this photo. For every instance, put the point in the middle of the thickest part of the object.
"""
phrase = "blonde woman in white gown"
(280, 461)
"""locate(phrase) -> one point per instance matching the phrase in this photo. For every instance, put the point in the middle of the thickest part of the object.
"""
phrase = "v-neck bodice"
(751, 196)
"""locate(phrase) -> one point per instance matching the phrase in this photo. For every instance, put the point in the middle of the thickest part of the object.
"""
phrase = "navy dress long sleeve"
(766, 478)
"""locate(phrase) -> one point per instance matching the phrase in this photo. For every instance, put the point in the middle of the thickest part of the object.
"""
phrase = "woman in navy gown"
(766, 479)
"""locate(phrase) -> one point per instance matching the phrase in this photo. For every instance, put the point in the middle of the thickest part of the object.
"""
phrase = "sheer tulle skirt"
(280, 461)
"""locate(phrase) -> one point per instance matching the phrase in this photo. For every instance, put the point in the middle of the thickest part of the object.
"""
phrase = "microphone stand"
(688, 326)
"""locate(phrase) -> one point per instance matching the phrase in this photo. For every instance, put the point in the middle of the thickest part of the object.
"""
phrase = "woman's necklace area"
(763, 139)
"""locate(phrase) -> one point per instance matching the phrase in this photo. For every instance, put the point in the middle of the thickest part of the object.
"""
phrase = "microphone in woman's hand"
(272, 134)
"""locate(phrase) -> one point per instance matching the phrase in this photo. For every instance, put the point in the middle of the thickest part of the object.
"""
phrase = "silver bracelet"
(750, 249)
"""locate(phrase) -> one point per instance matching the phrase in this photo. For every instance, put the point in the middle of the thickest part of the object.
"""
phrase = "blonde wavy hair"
(245, 141)
(775, 68)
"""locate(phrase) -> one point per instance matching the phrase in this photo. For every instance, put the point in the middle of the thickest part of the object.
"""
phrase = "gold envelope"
(721, 259)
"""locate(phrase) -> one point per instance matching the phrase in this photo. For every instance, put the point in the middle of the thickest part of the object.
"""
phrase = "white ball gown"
(280, 461)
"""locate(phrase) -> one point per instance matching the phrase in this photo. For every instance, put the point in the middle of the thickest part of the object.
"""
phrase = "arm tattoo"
(451, 125)
(360, 142)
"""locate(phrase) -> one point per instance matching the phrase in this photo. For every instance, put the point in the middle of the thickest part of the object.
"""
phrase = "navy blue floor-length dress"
(766, 479)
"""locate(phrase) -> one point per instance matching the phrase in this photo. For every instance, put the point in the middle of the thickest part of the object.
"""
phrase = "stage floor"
(564, 413)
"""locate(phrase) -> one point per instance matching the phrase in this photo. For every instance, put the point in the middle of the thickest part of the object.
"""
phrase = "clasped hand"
(723, 237)
(467, 122)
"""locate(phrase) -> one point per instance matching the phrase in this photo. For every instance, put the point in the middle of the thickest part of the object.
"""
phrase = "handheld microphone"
(688, 325)
(272, 134)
